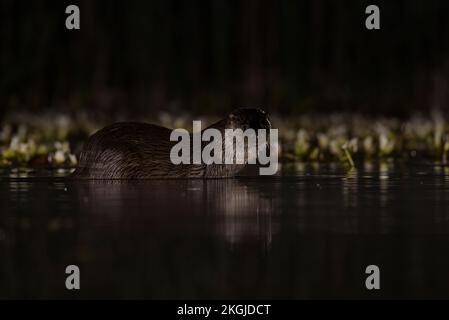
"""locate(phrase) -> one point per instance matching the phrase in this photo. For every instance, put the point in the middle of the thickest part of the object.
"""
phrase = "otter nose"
(267, 123)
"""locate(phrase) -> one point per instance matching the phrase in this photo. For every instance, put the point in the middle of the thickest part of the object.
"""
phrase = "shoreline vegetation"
(54, 140)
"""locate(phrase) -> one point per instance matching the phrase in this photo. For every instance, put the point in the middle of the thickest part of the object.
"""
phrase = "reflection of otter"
(173, 238)
(243, 214)
(233, 210)
(142, 151)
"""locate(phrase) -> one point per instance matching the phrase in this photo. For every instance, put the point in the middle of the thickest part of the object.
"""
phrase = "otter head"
(248, 118)
(244, 152)
(244, 119)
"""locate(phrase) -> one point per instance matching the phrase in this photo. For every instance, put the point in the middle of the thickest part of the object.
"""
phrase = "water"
(309, 232)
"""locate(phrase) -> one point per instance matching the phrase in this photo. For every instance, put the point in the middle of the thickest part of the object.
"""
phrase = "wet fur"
(132, 150)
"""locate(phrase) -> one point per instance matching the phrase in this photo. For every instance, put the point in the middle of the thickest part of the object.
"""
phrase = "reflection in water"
(245, 215)
(235, 210)
(350, 187)
(305, 234)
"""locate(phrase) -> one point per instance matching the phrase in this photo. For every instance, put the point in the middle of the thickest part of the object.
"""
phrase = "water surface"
(309, 232)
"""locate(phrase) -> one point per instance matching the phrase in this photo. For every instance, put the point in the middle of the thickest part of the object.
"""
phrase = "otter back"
(131, 150)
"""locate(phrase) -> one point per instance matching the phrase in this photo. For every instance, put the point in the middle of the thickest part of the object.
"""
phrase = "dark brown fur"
(131, 150)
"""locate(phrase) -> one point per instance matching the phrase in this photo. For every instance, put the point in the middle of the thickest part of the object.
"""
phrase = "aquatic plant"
(53, 139)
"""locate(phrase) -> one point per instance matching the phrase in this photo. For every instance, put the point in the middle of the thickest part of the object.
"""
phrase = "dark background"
(137, 57)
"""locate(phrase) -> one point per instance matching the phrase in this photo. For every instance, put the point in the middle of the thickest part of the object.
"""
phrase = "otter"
(133, 150)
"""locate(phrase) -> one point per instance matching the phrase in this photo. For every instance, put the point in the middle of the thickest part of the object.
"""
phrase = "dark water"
(308, 233)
